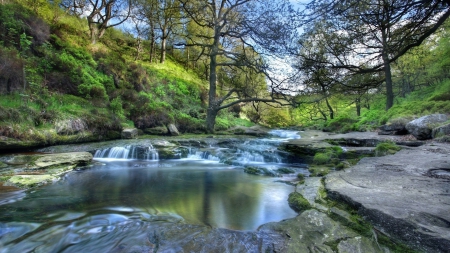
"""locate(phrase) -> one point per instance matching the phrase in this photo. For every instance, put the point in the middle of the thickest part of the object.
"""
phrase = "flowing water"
(131, 185)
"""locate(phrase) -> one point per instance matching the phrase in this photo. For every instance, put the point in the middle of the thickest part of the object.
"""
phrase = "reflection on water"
(97, 199)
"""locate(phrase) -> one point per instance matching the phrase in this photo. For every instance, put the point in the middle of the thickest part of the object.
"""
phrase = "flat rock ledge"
(406, 195)
(27, 171)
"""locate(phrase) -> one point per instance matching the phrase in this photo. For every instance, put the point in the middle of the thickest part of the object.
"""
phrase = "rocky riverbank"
(377, 205)
(404, 196)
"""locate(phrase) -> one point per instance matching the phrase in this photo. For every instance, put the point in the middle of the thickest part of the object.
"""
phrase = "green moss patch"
(386, 148)
(28, 181)
(298, 202)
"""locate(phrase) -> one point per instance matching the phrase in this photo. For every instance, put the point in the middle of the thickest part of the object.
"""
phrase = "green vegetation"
(51, 72)
(386, 148)
(298, 202)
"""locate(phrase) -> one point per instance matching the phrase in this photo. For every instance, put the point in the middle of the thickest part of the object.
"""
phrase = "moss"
(28, 181)
(4, 178)
(301, 178)
(252, 170)
(321, 158)
(386, 148)
(259, 171)
(3, 165)
(285, 171)
(318, 170)
(298, 202)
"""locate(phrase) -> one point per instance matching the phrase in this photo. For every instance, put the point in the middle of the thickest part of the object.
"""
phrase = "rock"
(441, 131)
(129, 133)
(257, 131)
(70, 126)
(405, 195)
(161, 130)
(298, 202)
(393, 129)
(422, 127)
(36, 170)
(314, 231)
(310, 191)
(173, 130)
(28, 181)
(357, 244)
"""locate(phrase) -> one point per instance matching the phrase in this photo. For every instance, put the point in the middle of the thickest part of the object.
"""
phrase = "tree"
(368, 35)
(102, 12)
(236, 34)
(168, 18)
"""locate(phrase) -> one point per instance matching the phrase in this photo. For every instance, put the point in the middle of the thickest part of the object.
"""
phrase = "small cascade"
(202, 155)
(286, 134)
(244, 157)
(129, 152)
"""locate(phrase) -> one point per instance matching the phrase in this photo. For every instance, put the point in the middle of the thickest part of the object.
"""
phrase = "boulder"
(314, 231)
(173, 130)
(393, 129)
(70, 126)
(422, 127)
(129, 133)
(441, 131)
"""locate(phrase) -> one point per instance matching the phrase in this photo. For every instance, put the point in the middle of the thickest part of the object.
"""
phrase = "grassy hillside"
(54, 82)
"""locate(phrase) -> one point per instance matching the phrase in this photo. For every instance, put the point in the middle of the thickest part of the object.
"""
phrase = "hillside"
(57, 87)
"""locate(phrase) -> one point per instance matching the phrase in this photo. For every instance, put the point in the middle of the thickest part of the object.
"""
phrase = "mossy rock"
(298, 202)
(319, 170)
(285, 171)
(386, 148)
(259, 171)
(301, 178)
(29, 181)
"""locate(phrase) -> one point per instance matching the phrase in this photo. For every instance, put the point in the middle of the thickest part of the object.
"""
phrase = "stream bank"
(327, 226)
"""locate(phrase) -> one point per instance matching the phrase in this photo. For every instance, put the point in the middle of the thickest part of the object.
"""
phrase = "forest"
(208, 66)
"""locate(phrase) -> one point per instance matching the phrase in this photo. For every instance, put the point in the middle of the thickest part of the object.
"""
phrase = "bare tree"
(236, 34)
(102, 12)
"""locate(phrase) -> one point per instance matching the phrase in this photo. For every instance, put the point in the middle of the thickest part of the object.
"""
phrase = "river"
(127, 191)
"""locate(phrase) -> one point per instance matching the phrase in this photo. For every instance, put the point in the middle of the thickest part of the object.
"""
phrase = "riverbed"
(122, 187)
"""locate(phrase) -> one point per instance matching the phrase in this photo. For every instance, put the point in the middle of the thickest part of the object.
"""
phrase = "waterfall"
(202, 155)
(288, 134)
(129, 152)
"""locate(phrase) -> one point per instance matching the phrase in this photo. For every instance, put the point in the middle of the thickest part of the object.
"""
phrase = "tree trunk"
(330, 109)
(358, 107)
(152, 49)
(211, 119)
(389, 89)
(163, 50)
(213, 106)
(387, 71)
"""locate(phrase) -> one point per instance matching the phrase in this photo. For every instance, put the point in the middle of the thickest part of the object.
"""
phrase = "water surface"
(113, 193)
